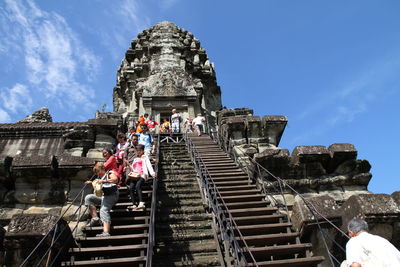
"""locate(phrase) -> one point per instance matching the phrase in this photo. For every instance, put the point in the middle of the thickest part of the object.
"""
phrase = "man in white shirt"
(365, 249)
(175, 121)
(198, 124)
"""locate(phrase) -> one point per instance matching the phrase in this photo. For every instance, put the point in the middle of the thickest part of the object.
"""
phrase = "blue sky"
(332, 67)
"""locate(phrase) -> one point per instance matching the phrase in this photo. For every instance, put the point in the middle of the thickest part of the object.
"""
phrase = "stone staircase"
(270, 239)
(184, 235)
(127, 245)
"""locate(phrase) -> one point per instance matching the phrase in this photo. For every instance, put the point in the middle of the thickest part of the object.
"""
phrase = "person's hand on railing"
(88, 182)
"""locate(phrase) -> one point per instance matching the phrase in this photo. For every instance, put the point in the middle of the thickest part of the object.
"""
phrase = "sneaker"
(103, 234)
(141, 206)
(93, 222)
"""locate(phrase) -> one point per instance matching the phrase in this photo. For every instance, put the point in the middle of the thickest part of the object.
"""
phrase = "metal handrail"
(34, 250)
(151, 238)
(213, 194)
(309, 205)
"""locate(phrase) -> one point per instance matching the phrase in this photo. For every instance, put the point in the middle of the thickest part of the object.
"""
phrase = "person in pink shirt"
(142, 167)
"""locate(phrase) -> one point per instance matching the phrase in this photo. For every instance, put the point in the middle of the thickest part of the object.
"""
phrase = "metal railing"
(280, 190)
(51, 260)
(225, 221)
(151, 238)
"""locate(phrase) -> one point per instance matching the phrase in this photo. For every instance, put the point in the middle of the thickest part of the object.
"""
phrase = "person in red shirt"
(151, 125)
(111, 162)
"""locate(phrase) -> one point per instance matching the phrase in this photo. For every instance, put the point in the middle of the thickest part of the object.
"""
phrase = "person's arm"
(149, 168)
(112, 178)
(355, 264)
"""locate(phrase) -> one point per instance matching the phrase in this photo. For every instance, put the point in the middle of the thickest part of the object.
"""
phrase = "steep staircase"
(184, 235)
(270, 239)
(127, 245)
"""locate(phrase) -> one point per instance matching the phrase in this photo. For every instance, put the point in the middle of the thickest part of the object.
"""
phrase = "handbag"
(97, 188)
(100, 189)
(134, 176)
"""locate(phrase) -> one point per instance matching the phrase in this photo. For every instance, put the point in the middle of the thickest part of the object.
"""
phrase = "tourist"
(130, 154)
(365, 249)
(141, 169)
(165, 126)
(111, 161)
(140, 122)
(146, 139)
(151, 124)
(106, 202)
(131, 133)
(175, 121)
(122, 143)
(198, 123)
(188, 125)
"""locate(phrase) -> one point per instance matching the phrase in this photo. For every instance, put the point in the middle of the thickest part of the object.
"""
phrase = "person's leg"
(106, 206)
(131, 188)
(139, 189)
(91, 201)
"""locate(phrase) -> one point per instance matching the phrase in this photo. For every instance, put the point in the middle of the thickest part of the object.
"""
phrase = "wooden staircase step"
(233, 183)
(116, 251)
(265, 252)
(240, 177)
(299, 262)
(249, 205)
(118, 229)
(237, 187)
(271, 239)
(242, 198)
(113, 240)
(239, 192)
(252, 211)
(120, 262)
(246, 220)
(228, 174)
(264, 228)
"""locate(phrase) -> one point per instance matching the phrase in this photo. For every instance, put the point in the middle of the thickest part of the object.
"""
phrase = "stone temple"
(166, 68)
(43, 165)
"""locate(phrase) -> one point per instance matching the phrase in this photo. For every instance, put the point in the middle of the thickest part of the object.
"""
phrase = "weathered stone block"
(95, 153)
(104, 141)
(307, 154)
(305, 215)
(7, 213)
(274, 160)
(374, 208)
(273, 127)
(75, 152)
(244, 150)
(26, 230)
(340, 153)
(396, 196)
(254, 128)
(72, 212)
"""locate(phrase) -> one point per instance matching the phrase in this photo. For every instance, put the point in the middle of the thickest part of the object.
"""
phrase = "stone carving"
(166, 62)
(26, 230)
(41, 115)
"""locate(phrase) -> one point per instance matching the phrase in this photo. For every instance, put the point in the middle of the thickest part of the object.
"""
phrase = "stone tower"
(166, 68)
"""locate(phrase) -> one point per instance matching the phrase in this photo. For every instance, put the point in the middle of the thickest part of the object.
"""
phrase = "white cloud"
(16, 98)
(131, 20)
(57, 64)
(4, 117)
(345, 102)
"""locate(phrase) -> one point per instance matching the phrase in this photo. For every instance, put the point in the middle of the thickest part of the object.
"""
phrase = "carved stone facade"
(166, 68)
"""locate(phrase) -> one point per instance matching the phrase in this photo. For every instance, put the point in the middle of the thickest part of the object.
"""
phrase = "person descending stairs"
(270, 239)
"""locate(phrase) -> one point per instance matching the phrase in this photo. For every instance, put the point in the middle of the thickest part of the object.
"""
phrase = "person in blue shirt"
(146, 139)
